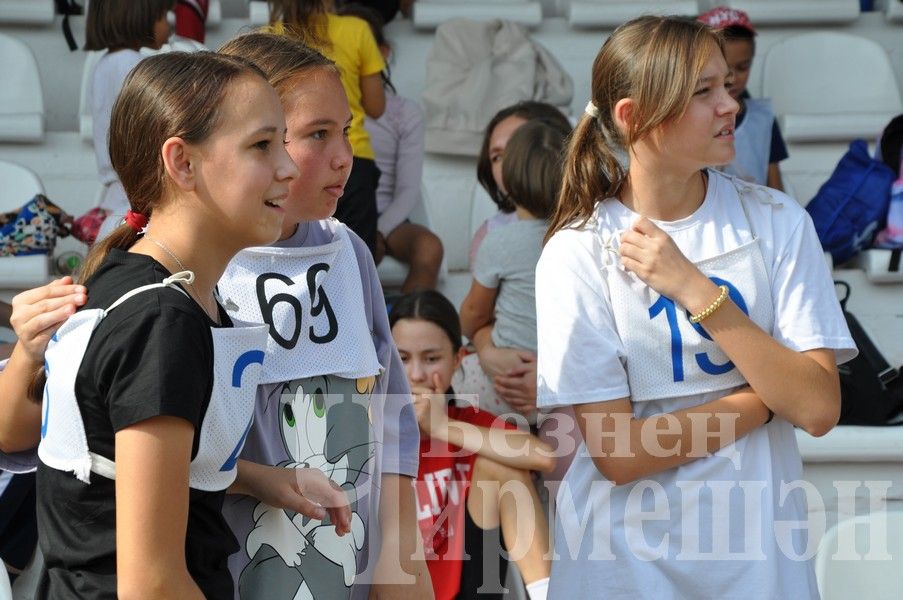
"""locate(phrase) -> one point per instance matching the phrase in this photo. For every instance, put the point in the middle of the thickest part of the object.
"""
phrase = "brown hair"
(528, 110)
(653, 60)
(279, 57)
(175, 94)
(302, 19)
(117, 24)
(533, 166)
(430, 306)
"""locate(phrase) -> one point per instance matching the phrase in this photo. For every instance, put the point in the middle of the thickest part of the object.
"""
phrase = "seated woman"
(501, 300)
(465, 460)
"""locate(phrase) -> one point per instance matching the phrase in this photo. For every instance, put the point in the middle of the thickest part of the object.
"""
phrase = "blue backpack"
(851, 207)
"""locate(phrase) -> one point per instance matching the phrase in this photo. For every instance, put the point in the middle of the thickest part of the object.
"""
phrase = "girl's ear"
(459, 356)
(177, 162)
(623, 114)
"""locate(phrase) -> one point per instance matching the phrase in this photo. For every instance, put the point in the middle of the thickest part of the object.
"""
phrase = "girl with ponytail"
(150, 388)
(690, 320)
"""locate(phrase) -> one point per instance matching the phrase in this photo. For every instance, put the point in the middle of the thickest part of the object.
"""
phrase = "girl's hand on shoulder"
(650, 254)
(39, 312)
(430, 406)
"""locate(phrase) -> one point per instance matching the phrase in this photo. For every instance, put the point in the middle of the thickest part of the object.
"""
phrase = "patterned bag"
(32, 229)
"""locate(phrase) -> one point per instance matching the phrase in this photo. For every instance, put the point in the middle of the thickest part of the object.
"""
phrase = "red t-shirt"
(443, 480)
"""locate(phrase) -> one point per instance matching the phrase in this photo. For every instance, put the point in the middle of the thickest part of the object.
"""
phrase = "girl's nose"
(417, 372)
(342, 159)
(287, 169)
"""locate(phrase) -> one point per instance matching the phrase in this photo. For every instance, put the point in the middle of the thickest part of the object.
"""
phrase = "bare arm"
(307, 491)
(774, 177)
(512, 447)
(401, 571)
(478, 308)
(373, 95)
(802, 387)
(36, 315)
(152, 459)
(625, 448)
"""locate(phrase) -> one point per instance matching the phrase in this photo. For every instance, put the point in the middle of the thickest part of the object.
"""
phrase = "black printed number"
(319, 305)
(267, 307)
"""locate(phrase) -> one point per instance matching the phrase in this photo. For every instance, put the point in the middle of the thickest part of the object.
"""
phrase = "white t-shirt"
(109, 75)
(603, 545)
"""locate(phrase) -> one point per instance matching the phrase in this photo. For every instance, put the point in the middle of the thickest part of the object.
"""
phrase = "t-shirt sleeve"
(778, 151)
(401, 436)
(153, 360)
(807, 312)
(579, 352)
(408, 168)
(371, 59)
(486, 268)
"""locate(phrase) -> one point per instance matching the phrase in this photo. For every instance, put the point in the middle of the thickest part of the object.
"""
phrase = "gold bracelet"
(712, 307)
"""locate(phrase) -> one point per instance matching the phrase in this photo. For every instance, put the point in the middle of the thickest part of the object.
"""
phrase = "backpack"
(33, 228)
(851, 206)
(871, 390)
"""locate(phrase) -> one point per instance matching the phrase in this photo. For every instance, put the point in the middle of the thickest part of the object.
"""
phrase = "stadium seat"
(893, 12)
(860, 556)
(611, 13)
(829, 86)
(429, 14)
(792, 12)
(392, 273)
(20, 185)
(6, 592)
(21, 98)
(258, 13)
(26, 12)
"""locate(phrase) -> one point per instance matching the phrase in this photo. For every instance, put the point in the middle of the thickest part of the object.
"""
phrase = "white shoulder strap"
(171, 281)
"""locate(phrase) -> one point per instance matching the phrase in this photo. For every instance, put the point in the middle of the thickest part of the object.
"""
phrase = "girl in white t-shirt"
(690, 319)
(120, 30)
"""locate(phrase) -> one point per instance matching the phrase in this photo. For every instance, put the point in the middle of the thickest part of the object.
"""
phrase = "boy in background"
(757, 138)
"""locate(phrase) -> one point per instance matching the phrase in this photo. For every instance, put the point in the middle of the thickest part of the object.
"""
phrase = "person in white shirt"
(690, 320)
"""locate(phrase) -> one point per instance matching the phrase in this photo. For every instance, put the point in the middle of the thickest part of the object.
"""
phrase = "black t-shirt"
(151, 356)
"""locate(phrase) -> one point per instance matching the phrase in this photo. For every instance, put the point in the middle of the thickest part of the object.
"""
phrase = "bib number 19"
(667, 306)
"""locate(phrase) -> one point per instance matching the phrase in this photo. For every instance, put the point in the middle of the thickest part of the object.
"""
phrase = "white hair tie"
(591, 110)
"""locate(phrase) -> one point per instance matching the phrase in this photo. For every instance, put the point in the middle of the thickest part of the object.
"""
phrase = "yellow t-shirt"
(355, 53)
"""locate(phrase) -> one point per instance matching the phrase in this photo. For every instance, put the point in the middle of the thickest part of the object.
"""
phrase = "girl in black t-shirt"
(197, 142)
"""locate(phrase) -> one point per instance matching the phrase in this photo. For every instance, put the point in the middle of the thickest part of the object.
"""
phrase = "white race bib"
(312, 299)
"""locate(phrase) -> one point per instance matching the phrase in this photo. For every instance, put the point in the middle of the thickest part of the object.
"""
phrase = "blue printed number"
(46, 401)
(248, 358)
(702, 358)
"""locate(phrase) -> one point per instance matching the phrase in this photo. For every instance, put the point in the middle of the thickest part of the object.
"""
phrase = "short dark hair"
(528, 110)
(532, 169)
(737, 33)
(430, 306)
(117, 24)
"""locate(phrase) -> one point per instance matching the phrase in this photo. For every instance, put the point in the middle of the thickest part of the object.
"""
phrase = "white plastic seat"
(611, 13)
(792, 12)
(392, 273)
(862, 556)
(6, 592)
(893, 12)
(21, 98)
(429, 14)
(258, 13)
(829, 86)
(26, 12)
(20, 185)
